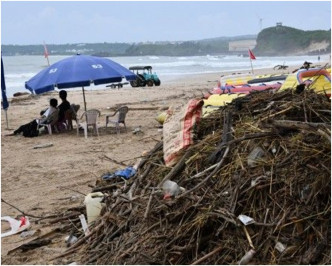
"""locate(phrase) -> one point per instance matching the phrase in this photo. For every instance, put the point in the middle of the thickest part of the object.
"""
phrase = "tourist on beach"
(64, 106)
(31, 129)
(306, 65)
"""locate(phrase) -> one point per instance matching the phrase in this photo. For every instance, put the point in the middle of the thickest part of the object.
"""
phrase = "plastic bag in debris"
(16, 225)
(125, 173)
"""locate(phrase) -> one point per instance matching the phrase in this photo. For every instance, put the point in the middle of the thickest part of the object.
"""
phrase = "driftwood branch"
(216, 250)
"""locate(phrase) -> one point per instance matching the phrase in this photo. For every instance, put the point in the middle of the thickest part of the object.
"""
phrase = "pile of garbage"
(255, 188)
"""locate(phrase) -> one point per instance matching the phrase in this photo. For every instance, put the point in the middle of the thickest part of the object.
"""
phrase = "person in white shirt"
(31, 129)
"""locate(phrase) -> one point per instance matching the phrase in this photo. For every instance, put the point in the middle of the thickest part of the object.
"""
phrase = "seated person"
(31, 129)
(64, 106)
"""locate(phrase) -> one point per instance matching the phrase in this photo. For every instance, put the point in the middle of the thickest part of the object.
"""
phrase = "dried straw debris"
(265, 156)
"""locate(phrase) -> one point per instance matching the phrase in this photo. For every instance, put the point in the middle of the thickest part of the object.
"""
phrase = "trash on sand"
(28, 233)
(16, 225)
(280, 247)
(161, 117)
(247, 257)
(246, 219)
(125, 173)
(138, 130)
(93, 205)
(36, 243)
(171, 189)
(254, 156)
(71, 239)
(46, 145)
(84, 225)
(305, 193)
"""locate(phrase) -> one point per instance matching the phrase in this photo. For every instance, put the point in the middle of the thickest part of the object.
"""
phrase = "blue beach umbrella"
(78, 71)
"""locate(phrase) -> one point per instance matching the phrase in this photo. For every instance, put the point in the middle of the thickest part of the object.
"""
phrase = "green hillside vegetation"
(273, 41)
(115, 49)
(187, 48)
(281, 40)
(178, 49)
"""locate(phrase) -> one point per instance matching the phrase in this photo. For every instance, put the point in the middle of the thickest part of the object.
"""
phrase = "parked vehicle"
(144, 76)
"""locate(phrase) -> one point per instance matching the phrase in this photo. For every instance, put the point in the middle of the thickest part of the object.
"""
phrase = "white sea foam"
(19, 69)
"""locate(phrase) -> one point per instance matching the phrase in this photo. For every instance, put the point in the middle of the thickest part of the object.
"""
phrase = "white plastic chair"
(51, 122)
(70, 115)
(91, 117)
(122, 112)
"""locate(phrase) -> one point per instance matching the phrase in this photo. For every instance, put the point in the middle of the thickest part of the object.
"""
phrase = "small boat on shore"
(318, 79)
(246, 88)
(214, 102)
(242, 79)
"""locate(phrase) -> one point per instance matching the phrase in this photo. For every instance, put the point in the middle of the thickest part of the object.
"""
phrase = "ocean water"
(19, 69)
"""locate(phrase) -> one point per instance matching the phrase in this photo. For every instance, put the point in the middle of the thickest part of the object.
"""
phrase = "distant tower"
(260, 24)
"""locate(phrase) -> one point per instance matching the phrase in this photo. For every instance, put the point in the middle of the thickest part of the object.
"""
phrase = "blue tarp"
(125, 173)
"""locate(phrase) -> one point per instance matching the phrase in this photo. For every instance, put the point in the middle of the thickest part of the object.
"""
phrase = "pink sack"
(178, 130)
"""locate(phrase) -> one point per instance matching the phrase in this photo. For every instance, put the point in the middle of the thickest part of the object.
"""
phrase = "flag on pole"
(251, 55)
(46, 53)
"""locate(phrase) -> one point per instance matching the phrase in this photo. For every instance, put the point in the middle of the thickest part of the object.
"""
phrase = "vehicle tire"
(133, 83)
(157, 82)
(150, 82)
(140, 80)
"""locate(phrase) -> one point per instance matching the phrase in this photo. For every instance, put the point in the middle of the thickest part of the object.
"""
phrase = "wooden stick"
(207, 256)
(248, 237)
(28, 214)
(149, 204)
(208, 177)
(114, 161)
(178, 167)
(76, 245)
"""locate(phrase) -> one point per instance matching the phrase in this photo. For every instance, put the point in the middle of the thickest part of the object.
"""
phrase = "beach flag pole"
(46, 54)
(6, 119)
(252, 57)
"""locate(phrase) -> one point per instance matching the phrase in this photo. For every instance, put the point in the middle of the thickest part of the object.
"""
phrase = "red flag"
(45, 51)
(251, 55)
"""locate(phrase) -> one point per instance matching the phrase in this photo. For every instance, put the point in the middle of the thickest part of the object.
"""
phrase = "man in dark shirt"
(64, 106)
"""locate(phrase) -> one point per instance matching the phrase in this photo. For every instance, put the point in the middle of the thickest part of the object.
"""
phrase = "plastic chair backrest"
(122, 113)
(74, 109)
(91, 116)
(69, 114)
(53, 118)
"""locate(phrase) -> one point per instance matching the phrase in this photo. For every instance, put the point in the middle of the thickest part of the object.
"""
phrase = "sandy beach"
(45, 181)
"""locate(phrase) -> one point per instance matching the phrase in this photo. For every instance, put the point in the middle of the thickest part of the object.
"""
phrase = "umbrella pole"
(6, 119)
(84, 99)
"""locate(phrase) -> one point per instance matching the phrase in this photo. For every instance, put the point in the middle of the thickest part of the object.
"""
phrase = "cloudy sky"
(28, 22)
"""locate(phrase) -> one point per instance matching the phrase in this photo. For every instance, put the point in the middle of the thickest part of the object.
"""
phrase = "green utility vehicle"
(144, 76)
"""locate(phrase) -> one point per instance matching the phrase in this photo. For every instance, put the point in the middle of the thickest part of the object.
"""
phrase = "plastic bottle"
(254, 156)
(247, 257)
(171, 189)
(93, 205)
